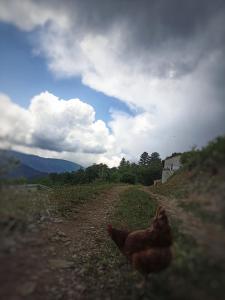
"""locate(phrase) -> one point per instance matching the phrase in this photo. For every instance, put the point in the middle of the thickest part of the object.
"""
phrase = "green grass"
(28, 206)
(209, 158)
(23, 203)
(134, 210)
(192, 274)
(65, 199)
(177, 186)
(113, 277)
(198, 210)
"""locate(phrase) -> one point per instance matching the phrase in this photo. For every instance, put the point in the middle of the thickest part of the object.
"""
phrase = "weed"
(208, 158)
(136, 208)
(198, 210)
(65, 199)
(20, 203)
(192, 274)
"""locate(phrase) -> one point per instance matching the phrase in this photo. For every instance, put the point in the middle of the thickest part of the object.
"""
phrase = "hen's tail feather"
(118, 236)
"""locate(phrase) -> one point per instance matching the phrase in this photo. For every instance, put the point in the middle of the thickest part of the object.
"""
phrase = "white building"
(171, 164)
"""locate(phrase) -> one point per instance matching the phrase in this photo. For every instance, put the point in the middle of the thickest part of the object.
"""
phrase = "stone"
(61, 233)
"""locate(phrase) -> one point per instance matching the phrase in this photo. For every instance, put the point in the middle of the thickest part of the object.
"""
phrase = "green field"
(103, 272)
(192, 274)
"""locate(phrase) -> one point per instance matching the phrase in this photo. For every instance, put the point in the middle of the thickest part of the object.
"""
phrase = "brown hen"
(148, 250)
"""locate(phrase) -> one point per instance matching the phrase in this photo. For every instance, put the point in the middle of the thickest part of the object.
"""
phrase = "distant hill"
(23, 171)
(35, 166)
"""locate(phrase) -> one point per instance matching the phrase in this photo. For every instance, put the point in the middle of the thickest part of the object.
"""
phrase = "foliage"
(150, 171)
(209, 157)
(144, 159)
(127, 172)
(155, 157)
(128, 178)
(124, 164)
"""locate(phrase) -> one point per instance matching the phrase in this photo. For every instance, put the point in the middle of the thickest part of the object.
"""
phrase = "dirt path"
(47, 264)
(210, 236)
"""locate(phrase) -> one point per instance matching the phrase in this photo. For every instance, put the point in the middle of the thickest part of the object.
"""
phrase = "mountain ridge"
(41, 165)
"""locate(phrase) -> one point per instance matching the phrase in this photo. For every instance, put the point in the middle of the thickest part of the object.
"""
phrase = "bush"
(209, 157)
(190, 159)
(128, 178)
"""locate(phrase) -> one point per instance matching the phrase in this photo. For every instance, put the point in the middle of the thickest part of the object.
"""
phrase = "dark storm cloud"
(163, 57)
(178, 34)
(151, 18)
(181, 32)
(50, 143)
(56, 144)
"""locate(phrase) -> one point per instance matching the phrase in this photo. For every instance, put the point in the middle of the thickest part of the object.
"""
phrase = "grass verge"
(192, 275)
(21, 206)
(64, 200)
(196, 209)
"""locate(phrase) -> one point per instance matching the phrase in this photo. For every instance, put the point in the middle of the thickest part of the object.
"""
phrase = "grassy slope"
(20, 207)
(113, 277)
(199, 189)
(106, 273)
(199, 193)
(191, 275)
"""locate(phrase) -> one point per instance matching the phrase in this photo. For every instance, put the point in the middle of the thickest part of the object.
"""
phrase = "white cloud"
(102, 61)
(172, 83)
(14, 122)
(177, 111)
(66, 128)
(27, 14)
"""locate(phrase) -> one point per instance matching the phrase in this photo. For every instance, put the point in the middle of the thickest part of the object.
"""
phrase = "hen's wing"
(118, 236)
(152, 260)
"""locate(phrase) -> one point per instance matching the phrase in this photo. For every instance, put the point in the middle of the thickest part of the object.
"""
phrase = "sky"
(93, 81)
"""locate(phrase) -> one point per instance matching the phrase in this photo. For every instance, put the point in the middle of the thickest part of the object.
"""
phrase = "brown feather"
(148, 250)
(152, 260)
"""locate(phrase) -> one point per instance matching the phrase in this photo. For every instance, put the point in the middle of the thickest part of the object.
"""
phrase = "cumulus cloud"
(26, 14)
(57, 125)
(165, 59)
(13, 121)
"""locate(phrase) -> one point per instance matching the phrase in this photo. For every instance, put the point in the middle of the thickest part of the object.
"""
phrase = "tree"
(114, 175)
(124, 165)
(79, 176)
(128, 178)
(92, 173)
(156, 165)
(144, 159)
(150, 168)
(145, 176)
(155, 160)
(155, 157)
(103, 172)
